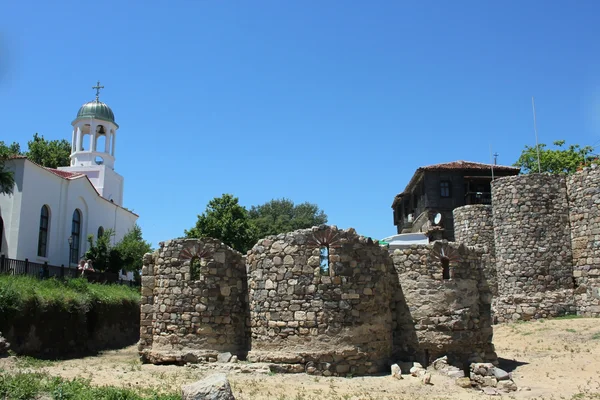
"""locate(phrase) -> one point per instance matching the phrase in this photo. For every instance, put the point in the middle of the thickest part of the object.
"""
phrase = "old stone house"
(441, 188)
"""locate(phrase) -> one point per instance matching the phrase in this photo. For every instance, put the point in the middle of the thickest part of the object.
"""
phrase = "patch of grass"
(31, 362)
(570, 316)
(18, 293)
(571, 330)
(596, 336)
(29, 386)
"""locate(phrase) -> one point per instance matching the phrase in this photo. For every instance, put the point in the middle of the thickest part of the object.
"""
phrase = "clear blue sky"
(331, 102)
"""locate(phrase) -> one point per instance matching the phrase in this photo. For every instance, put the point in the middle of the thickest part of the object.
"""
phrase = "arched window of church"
(43, 232)
(100, 232)
(75, 235)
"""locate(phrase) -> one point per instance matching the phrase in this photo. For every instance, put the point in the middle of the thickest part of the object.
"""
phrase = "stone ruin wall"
(534, 263)
(474, 226)
(447, 316)
(277, 305)
(336, 323)
(584, 216)
(186, 318)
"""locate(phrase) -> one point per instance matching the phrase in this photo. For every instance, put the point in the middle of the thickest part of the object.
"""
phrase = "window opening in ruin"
(444, 189)
(445, 261)
(195, 265)
(324, 260)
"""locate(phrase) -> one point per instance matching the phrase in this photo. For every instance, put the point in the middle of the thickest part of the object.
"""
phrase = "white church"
(52, 211)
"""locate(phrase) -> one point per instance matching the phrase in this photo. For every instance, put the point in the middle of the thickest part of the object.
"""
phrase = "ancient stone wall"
(450, 312)
(194, 302)
(474, 226)
(584, 202)
(323, 314)
(533, 247)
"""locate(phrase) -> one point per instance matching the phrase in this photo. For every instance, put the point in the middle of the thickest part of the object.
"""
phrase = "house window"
(76, 235)
(43, 233)
(444, 189)
(324, 261)
(100, 232)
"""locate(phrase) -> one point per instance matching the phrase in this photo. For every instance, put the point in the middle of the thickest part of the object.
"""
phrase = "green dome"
(96, 109)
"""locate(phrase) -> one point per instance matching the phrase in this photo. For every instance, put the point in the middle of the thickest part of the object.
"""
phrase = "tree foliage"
(556, 161)
(125, 255)
(7, 179)
(132, 249)
(225, 219)
(101, 252)
(282, 215)
(49, 153)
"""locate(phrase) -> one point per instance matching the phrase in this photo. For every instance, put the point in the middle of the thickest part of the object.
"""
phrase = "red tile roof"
(468, 165)
(460, 165)
(72, 175)
(65, 174)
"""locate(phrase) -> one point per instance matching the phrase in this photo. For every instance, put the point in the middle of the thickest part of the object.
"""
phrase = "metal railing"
(11, 266)
(478, 198)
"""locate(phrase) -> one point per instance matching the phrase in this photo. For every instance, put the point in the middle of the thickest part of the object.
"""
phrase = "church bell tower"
(93, 148)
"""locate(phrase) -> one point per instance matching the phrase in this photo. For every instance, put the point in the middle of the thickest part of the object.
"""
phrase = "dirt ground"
(551, 359)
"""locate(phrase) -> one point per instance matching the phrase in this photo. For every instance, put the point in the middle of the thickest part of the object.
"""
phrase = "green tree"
(49, 153)
(225, 219)
(126, 255)
(556, 161)
(282, 215)
(131, 250)
(7, 179)
(100, 251)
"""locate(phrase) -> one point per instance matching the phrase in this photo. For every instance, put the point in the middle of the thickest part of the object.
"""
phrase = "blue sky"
(336, 102)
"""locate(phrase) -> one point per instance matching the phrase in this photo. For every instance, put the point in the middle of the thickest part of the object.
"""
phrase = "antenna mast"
(493, 163)
(537, 146)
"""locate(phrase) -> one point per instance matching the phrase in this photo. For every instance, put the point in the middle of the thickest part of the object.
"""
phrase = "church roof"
(64, 174)
(72, 176)
(97, 110)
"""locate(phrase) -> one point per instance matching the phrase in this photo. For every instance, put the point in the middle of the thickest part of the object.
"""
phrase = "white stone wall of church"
(108, 183)
(39, 187)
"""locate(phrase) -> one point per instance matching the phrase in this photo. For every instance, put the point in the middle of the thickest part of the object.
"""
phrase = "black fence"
(11, 266)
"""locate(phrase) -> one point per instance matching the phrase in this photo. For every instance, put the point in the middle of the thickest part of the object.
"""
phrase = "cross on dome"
(97, 87)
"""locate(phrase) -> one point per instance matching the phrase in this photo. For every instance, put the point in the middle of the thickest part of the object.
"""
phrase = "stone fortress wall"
(331, 302)
(546, 244)
(194, 302)
(584, 218)
(448, 315)
(333, 318)
(323, 301)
